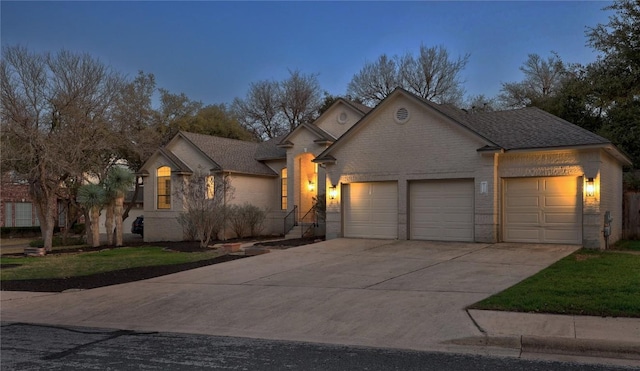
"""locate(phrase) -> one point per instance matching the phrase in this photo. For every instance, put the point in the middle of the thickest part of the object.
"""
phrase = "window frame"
(163, 191)
(284, 189)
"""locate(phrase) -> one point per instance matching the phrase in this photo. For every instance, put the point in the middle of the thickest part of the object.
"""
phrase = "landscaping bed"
(118, 276)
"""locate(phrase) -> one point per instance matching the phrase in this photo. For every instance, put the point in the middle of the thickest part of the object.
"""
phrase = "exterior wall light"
(311, 186)
(591, 187)
(333, 192)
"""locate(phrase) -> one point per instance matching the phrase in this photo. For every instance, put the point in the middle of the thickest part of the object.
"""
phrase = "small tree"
(92, 197)
(205, 198)
(118, 181)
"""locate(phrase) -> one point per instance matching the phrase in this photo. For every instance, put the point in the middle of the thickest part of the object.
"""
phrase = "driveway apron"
(397, 294)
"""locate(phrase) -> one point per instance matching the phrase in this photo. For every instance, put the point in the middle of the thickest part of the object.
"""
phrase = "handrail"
(290, 220)
(313, 221)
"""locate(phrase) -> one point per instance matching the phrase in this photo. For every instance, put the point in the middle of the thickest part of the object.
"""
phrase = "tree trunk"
(88, 230)
(46, 210)
(119, 202)
(108, 223)
(95, 226)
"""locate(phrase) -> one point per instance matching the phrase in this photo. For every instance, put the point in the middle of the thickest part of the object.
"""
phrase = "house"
(412, 169)
(16, 206)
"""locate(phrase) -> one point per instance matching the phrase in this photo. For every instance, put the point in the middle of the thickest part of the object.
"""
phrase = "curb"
(583, 347)
(557, 345)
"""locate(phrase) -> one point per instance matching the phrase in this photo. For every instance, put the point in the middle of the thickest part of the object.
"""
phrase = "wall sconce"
(311, 186)
(333, 192)
(591, 187)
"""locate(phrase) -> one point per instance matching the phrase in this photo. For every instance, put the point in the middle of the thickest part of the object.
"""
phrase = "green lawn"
(628, 245)
(587, 282)
(86, 263)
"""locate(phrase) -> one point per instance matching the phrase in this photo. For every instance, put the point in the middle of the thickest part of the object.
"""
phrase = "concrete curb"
(583, 347)
(557, 345)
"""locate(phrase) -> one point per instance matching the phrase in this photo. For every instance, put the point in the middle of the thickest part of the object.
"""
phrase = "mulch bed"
(132, 274)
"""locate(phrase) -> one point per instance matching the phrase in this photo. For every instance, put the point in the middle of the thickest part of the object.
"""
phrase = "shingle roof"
(269, 150)
(230, 154)
(525, 128)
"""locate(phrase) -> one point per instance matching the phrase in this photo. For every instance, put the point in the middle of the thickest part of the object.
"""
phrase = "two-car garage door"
(438, 210)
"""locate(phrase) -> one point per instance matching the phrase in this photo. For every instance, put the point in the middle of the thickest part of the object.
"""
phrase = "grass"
(587, 282)
(628, 245)
(86, 263)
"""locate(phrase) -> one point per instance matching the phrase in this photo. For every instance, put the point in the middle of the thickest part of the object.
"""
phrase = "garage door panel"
(568, 218)
(371, 210)
(533, 201)
(523, 218)
(441, 210)
(542, 210)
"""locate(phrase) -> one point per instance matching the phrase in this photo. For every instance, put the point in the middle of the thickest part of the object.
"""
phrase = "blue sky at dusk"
(212, 51)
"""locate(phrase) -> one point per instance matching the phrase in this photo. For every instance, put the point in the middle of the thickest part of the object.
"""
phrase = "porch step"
(297, 231)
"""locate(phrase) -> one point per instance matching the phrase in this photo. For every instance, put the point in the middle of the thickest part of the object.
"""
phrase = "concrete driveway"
(398, 294)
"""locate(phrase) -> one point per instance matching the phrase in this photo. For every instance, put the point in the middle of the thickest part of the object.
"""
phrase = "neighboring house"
(412, 169)
(16, 208)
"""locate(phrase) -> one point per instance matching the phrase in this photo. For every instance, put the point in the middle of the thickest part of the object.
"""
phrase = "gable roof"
(323, 136)
(519, 129)
(231, 155)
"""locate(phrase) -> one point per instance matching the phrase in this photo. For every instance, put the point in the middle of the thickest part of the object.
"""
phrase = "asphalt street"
(39, 347)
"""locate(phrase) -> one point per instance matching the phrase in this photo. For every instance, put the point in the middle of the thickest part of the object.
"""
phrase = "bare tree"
(273, 108)
(300, 98)
(432, 75)
(55, 113)
(481, 103)
(259, 111)
(136, 121)
(176, 113)
(205, 200)
(375, 81)
(542, 79)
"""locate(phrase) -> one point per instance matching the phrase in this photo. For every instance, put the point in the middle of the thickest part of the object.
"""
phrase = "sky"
(212, 51)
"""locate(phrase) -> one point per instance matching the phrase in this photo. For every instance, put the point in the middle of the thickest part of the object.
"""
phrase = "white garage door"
(543, 210)
(371, 210)
(441, 210)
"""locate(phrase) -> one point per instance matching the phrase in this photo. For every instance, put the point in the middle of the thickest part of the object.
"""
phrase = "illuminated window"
(283, 189)
(211, 190)
(164, 187)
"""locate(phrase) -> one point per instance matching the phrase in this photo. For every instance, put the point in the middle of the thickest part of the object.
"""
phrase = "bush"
(58, 241)
(7, 232)
(246, 220)
(78, 228)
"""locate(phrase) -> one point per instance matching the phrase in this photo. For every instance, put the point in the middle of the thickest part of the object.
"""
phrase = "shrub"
(58, 241)
(246, 220)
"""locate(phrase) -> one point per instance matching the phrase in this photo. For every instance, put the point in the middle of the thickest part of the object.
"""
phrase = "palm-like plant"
(117, 182)
(93, 197)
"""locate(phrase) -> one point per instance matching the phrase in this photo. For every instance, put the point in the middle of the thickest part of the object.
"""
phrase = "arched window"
(283, 189)
(164, 187)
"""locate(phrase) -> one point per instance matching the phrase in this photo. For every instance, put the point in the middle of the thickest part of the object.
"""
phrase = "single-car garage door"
(543, 210)
(441, 210)
(371, 210)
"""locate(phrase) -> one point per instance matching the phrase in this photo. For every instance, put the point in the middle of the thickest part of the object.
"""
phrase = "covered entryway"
(441, 210)
(543, 210)
(371, 210)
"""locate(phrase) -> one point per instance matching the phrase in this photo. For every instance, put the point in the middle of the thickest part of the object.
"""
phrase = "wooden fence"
(631, 216)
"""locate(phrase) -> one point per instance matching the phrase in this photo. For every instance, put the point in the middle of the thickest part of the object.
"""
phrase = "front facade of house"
(411, 169)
